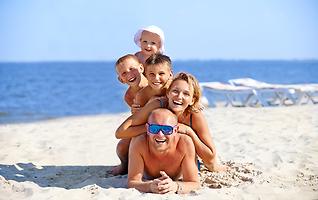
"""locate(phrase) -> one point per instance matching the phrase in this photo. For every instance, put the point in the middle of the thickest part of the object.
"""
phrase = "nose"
(179, 95)
(160, 133)
(148, 44)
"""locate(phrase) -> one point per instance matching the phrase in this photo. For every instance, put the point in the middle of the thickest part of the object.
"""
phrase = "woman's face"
(180, 96)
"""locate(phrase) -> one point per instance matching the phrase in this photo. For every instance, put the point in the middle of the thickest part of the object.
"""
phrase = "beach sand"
(273, 154)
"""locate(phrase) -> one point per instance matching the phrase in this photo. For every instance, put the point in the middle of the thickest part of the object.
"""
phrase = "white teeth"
(132, 79)
(160, 141)
(177, 102)
(156, 83)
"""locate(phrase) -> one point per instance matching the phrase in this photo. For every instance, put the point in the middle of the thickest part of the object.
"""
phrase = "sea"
(46, 90)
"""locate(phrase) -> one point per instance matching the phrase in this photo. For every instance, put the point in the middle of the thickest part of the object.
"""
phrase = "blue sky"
(100, 30)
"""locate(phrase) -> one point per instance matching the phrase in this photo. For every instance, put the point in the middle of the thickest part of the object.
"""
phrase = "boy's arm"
(129, 99)
(130, 127)
(127, 130)
(142, 96)
(137, 105)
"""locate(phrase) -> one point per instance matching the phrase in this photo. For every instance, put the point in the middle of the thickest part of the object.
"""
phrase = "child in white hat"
(150, 40)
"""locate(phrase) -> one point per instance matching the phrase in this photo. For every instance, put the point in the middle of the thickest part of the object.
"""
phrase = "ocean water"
(37, 91)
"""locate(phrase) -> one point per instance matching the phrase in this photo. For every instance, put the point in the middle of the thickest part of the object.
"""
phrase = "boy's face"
(150, 43)
(129, 72)
(158, 75)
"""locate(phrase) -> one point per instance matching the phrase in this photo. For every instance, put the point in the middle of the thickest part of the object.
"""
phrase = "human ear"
(147, 126)
(120, 80)
(142, 69)
(192, 102)
(177, 128)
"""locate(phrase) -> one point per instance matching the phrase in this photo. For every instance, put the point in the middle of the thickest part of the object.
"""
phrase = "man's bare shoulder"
(185, 139)
(139, 141)
(185, 143)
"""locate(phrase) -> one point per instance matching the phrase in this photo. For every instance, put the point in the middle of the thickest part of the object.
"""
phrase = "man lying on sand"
(158, 159)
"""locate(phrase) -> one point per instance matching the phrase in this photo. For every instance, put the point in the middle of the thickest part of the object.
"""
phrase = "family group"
(167, 134)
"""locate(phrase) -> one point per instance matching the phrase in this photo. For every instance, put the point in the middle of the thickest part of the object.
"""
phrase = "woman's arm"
(189, 169)
(201, 137)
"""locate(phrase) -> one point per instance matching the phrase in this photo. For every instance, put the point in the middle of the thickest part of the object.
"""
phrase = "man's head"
(129, 70)
(162, 127)
(158, 71)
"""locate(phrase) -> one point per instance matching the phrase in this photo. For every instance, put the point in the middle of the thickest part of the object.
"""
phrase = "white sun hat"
(152, 29)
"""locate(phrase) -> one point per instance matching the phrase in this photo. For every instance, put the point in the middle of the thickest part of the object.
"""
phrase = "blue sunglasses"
(165, 129)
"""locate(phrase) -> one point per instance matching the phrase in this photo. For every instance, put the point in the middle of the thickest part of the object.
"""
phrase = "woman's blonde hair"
(193, 82)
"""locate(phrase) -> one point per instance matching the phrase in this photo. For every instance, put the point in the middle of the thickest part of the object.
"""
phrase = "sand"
(272, 152)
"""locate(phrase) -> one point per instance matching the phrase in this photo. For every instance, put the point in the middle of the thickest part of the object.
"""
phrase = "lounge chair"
(303, 93)
(218, 93)
(280, 94)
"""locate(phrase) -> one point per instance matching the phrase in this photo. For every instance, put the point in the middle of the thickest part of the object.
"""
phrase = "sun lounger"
(217, 92)
(280, 94)
(303, 93)
(268, 94)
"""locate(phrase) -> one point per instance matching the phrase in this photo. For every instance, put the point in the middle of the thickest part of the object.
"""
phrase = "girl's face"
(158, 75)
(129, 72)
(150, 43)
(180, 96)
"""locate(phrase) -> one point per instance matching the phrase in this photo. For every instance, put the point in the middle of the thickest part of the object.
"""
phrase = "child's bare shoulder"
(142, 96)
(130, 96)
(138, 53)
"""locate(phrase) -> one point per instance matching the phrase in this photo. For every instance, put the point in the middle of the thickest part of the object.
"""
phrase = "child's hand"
(135, 108)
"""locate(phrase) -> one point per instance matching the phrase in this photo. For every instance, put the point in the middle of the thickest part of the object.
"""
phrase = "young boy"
(159, 74)
(150, 40)
(130, 72)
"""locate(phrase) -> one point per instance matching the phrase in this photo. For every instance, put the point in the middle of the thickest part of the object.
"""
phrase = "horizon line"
(174, 60)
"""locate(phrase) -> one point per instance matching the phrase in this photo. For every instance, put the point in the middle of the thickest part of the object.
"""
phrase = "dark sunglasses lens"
(154, 129)
(167, 130)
